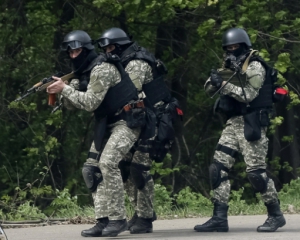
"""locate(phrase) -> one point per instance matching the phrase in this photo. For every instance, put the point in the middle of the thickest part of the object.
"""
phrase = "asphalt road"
(240, 227)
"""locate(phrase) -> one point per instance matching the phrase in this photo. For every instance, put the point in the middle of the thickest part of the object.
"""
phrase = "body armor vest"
(265, 97)
(156, 90)
(233, 107)
(116, 96)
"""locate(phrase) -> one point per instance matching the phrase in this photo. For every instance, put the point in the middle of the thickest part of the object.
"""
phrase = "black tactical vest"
(232, 107)
(156, 90)
(116, 96)
(265, 97)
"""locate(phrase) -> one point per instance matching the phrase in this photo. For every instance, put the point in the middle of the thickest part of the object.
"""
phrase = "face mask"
(237, 52)
(79, 60)
(117, 50)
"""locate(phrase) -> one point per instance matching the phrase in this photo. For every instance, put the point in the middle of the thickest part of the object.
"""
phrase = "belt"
(126, 108)
(138, 104)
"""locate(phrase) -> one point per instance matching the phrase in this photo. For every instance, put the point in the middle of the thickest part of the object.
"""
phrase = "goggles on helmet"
(73, 45)
(103, 42)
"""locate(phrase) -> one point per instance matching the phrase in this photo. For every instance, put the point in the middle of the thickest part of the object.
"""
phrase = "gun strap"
(246, 63)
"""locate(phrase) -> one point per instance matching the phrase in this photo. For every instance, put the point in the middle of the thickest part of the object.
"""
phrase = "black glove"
(83, 85)
(215, 79)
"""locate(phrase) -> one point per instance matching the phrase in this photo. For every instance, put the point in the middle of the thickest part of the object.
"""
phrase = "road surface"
(240, 228)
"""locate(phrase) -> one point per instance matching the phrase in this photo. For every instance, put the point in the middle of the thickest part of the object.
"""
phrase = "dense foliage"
(39, 149)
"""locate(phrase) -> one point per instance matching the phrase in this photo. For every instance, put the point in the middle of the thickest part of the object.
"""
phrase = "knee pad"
(125, 169)
(92, 176)
(215, 174)
(257, 181)
(136, 171)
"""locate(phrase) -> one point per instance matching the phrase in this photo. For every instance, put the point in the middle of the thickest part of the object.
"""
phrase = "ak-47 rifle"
(43, 84)
(232, 63)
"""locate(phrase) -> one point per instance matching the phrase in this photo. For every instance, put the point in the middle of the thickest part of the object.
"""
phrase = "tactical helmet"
(113, 36)
(77, 39)
(234, 36)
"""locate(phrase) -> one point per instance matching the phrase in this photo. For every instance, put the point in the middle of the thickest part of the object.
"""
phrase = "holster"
(159, 150)
(252, 126)
(100, 128)
(134, 114)
(148, 131)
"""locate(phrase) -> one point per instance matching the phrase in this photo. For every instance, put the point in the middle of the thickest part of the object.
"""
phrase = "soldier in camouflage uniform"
(90, 92)
(136, 166)
(246, 101)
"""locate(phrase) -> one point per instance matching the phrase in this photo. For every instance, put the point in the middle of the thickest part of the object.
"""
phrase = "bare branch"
(284, 39)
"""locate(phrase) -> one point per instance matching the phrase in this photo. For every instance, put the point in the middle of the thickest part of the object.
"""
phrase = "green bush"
(290, 196)
(65, 206)
(162, 200)
(25, 211)
(184, 204)
(193, 202)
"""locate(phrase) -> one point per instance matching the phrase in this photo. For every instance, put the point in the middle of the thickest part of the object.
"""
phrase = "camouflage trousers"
(254, 154)
(141, 200)
(109, 196)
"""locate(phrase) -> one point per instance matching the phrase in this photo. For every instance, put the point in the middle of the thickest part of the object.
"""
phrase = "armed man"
(102, 87)
(147, 74)
(246, 101)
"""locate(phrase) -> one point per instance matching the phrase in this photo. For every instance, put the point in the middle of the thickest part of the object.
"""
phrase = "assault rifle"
(43, 84)
(231, 62)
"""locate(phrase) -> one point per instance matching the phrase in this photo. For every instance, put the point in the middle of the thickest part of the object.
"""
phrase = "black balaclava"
(234, 55)
(239, 51)
(83, 60)
(120, 49)
(117, 51)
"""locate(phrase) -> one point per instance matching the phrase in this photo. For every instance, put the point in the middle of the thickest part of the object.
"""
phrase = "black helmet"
(234, 36)
(77, 39)
(113, 36)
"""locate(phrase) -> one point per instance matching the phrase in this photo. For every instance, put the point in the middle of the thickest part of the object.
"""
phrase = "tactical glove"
(215, 79)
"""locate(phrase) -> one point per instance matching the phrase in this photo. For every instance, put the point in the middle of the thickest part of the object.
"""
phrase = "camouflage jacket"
(140, 72)
(255, 76)
(102, 77)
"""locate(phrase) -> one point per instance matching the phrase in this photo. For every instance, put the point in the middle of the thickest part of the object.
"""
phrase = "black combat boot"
(134, 218)
(142, 225)
(132, 221)
(96, 231)
(154, 217)
(275, 218)
(114, 227)
(218, 222)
